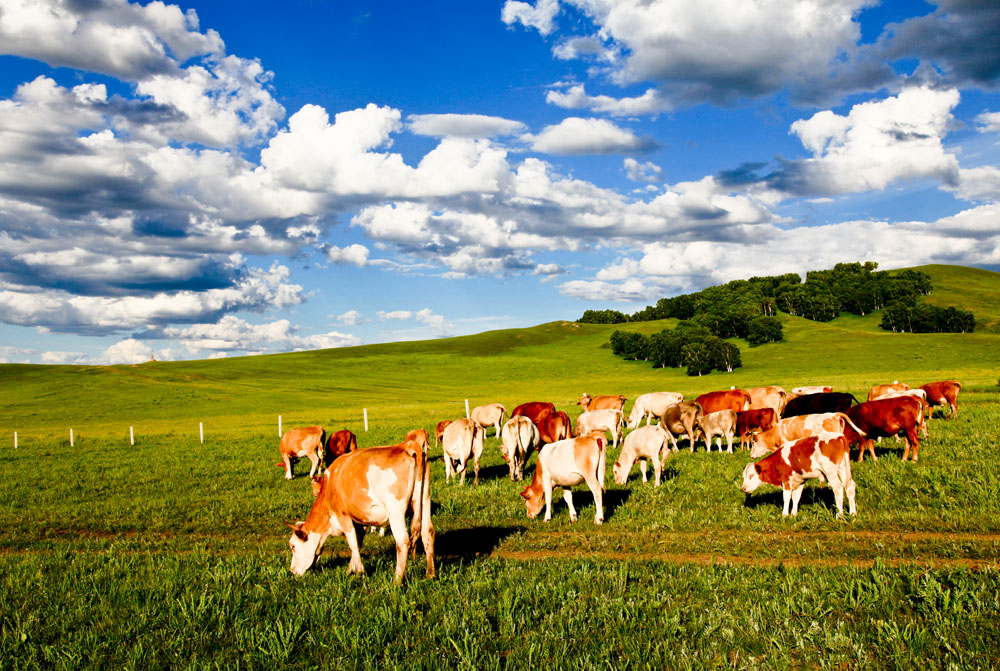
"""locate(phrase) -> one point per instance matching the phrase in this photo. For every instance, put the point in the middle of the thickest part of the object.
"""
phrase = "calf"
(554, 426)
(462, 439)
(439, 430)
(491, 414)
(588, 402)
(679, 419)
(736, 400)
(601, 420)
(750, 422)
(720, 423)
(943, 393)
(817, 404)
(887, 417)
(518, 438)
(791, 429)
(652, 405)
(648, 443)
(338, 444)
(816, 457)
(302, 442)
(566, 463)
(369, 487)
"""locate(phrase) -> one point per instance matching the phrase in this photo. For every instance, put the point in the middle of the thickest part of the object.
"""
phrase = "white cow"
(566, 463)
(720, 423)
(518, 438)
(652, 405)
(462, 439)
(491, 414)
(644, 444)
(601, 420)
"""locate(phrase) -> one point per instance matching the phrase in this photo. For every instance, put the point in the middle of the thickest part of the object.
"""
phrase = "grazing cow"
(462, 439)
(749, 422)
(882, 390)
(369, 487)
(887, 417)
(791, 429)
(736, 400)
(601, 420)
(826, 456)
(491, 414)
(943, 393)
(306, 441)
(588, 402)
(566, 463)
(921, 396)
(681, 418)
(815, 389)
(648, 443)
(772, 397)
(518, 438)
(721, 423)
(533, 410)
(339, 444)
(554, 426)
(651, 406)
(819, 404)
(439, 430)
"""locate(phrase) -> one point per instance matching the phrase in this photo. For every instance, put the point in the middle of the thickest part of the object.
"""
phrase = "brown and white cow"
(518, 438)
(813, 389)
(306, 441)
(491, 414)
(533, 410)
(772, 397)
(921, 396)
(554, 426)
(369, 487)
(882, 390)
(338, 444)
(826, 456)
(887, 417)
(462, 440)
(753, 421)
(439, 430)
(943, 393)
(566, 463)
(736, 400)
(645, 444)
(795, 428)
(602, 420)
(651, 405)
(681, 419)
(721, 423)
(588, 402)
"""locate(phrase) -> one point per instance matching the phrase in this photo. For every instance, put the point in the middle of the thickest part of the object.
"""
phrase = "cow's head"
(751, 478)
(533, 499)
(305, 547)
(584, 401)
(621, 475)
(760, 448)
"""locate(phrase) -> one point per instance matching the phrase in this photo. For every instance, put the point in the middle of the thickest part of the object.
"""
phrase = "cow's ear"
(757, 468)
(525, 495)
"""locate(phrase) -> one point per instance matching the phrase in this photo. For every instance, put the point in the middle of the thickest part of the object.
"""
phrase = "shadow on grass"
(473, 542)
(811, 496)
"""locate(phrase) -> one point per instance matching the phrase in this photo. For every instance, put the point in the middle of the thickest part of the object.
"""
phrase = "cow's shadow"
(811, 496)
(473, 542)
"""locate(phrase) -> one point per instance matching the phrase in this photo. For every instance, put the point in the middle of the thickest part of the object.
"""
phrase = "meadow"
(172, 553)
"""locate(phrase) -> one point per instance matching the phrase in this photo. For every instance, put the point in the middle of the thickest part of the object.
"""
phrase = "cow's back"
(302, 440)
(736, 400)
(820, 403)
(533, 410)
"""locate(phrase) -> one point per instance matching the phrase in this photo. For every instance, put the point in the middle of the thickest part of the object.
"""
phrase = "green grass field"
(172, 553)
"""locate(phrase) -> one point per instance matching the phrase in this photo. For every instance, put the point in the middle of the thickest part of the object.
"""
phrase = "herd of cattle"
(803, 434)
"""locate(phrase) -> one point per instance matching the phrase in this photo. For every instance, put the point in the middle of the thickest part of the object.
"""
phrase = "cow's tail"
(853, 398)
(420, 494)
(853, 426)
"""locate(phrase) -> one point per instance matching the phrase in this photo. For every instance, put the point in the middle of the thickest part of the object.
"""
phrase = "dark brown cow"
(886, 417)
(533, 410)
(339, 444)
(819, 404)
(553, 426)
(943, 393)
(750, 421)
(736, 400)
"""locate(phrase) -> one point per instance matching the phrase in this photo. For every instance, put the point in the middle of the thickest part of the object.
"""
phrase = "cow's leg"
(786, 497)
(475, 464)
(906, 450)
(954, 410)
(314, 459)
(397, 523)
(642, 468)
(354, 542)
(796, 495)
(567, 494)
(914, 440)
(833, 479)
(288, 467)
(547, 487)
(427, 536)
(656, 472)
(598, 493)
(729, 443)
(850, 488)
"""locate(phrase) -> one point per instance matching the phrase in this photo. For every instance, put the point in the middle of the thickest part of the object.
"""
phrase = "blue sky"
(211, 179)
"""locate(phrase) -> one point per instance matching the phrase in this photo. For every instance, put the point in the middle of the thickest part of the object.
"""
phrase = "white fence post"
(201, 433)
(71, 437)
(467, 408)
(131, 436)
(366, 419)
(279, 426)
(15, 440)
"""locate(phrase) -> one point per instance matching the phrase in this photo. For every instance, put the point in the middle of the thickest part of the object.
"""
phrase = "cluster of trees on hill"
(746, 308)
(690, 346)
